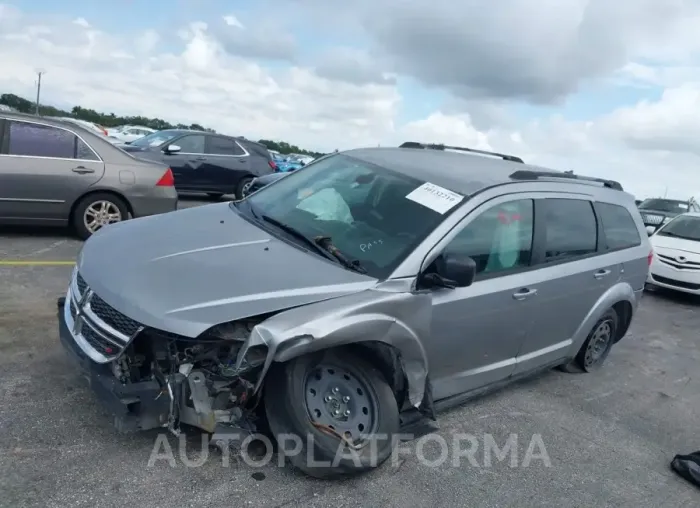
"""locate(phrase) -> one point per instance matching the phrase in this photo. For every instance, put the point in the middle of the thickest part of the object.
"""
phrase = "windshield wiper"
(298, 235)
(326, 244)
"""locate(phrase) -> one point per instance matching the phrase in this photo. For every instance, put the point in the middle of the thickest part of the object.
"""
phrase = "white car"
(676, 258)
(93, 127)
(128, 133)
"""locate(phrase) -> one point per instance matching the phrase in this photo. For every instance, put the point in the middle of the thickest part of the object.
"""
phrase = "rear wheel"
(96, 211)
(337, 408)
(597, 346)
(243, 186)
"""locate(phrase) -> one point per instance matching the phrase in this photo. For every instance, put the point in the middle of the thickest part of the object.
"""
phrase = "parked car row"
(659, 211)
(676, 263)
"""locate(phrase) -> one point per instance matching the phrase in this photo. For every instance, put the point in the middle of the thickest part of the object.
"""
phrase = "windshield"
(366, 210)
(664, 205)
(155, 139)
(686, 227)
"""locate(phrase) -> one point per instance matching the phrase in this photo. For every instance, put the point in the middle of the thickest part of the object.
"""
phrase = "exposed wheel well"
(624, 312)
(387, 359)
(113, 193)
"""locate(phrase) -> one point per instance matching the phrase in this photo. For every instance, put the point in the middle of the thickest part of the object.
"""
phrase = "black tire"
(241, 187)
(593, 352)
(215, 195)
(78, 219)
(324, 454)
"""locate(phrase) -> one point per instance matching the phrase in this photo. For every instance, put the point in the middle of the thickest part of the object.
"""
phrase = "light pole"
(39, 72)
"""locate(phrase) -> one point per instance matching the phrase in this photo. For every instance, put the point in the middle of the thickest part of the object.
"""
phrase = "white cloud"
(202, 76)
(232, 20)
(200, 83)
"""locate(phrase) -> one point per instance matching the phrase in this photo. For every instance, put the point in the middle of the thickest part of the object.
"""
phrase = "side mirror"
(451, 271)
(172, 149)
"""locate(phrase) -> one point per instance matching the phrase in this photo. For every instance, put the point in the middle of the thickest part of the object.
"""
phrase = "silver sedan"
(54, 172)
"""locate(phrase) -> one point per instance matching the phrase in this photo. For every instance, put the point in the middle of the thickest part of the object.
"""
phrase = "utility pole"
(38, 90)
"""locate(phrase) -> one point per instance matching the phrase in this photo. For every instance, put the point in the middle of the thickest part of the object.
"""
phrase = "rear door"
(43, 170)
(187, 163)
(227, 162)
(573, 275)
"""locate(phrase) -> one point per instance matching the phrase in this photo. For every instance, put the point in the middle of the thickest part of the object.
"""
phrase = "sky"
(605, 88)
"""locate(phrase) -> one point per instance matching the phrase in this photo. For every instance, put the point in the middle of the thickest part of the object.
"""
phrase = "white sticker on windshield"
(435, 197)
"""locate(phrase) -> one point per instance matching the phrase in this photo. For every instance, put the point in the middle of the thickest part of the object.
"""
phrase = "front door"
(478, 330)
(44, 170)
(187, 163)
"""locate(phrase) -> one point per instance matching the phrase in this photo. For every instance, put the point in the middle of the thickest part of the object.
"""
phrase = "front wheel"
(96, 211)
(332, 413)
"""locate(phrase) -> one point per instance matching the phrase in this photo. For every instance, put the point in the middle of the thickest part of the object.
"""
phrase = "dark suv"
(657, 212)
(205, 161)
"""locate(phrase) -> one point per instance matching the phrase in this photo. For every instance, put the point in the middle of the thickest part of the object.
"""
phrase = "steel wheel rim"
(341, 403)
(599, 344)
(99, 214)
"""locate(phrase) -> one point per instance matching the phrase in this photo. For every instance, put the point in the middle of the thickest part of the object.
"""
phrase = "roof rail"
(428, 146)
(534, 175)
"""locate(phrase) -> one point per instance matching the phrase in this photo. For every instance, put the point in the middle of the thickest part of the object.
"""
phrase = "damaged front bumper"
(134, 406)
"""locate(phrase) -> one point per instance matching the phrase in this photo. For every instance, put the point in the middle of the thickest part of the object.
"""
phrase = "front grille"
(653, 219)
(82, 285)
(685, 265)
(73, 312)
(113, 317)
(677, 283)
(99, 343)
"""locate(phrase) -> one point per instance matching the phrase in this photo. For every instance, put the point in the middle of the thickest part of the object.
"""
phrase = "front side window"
(571, 229)
(191, 144)
(499, 239)
(373, 215)
(619, 228)
(155, 139)
(685, 227)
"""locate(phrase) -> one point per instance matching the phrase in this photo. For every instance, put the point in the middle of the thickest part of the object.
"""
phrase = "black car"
(656, 211)
(205, 161)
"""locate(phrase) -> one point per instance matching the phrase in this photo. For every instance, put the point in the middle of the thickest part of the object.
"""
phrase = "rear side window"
(40, 141)
(570, 227)
(223, 146)
(619, 228)
(34, 140)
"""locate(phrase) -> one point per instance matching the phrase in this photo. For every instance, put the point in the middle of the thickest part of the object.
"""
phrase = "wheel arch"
(74, 206)
(389, 345)
(621, 298)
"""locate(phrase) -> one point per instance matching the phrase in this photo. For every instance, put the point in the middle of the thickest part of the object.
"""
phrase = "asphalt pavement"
(602, 439)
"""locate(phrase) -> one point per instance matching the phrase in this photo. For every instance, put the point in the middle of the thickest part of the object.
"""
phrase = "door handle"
(524, 293)
(82, 170)
(200, 158)
(601, 273)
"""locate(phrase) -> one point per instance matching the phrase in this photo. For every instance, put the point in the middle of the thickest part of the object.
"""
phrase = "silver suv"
(364, 292)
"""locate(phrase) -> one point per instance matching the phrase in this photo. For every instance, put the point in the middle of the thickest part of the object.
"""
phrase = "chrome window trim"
(99, 159)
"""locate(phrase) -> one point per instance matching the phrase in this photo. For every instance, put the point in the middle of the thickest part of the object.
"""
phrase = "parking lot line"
(36, 263)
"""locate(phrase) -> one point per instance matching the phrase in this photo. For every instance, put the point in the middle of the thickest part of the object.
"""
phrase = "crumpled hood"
(186, 271)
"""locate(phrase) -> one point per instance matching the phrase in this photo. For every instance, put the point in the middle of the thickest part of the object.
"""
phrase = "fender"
(620, 292)
(398, 319)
